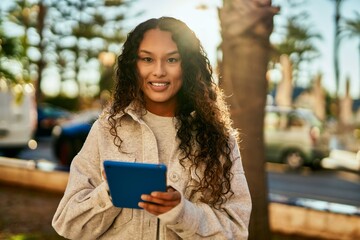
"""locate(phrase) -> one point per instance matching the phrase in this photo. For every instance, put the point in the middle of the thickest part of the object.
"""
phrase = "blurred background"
(57, 62)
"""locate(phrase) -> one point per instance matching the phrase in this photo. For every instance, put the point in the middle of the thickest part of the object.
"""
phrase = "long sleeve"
(199, 221)
(85, 211)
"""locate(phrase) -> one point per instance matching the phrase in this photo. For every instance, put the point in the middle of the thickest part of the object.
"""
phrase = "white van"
(18, 117)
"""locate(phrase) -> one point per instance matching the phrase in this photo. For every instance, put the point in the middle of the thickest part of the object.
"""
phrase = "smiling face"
(159, 68)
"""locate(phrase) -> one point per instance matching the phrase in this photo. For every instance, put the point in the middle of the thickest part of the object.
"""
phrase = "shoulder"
(105, 116)
(233, 138)
(128, 117)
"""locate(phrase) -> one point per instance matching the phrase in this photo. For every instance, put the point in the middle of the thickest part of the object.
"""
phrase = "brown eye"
(147, 59)
(173, 60)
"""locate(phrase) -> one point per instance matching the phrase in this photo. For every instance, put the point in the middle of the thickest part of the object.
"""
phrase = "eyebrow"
(168, 54)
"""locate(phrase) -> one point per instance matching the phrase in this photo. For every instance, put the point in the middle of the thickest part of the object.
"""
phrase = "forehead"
(157, 40)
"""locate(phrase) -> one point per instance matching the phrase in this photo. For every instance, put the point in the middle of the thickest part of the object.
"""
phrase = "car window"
(275, 121)
(314, 121)
(271, 121)
(295, 121)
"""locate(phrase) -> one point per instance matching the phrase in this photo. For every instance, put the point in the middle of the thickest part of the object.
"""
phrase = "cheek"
(181, 80)
(139, 71)
(140, 76)
(179, 83)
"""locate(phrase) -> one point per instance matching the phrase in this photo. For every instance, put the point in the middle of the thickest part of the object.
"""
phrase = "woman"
(166, 109)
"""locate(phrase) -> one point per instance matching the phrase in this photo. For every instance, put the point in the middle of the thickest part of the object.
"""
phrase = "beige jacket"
(86, 210)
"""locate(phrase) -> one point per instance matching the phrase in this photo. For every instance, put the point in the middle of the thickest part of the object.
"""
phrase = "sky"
(321, 17)
(205, 24)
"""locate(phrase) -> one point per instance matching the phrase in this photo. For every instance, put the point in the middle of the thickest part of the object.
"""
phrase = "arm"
(198, 220)
(85, 211)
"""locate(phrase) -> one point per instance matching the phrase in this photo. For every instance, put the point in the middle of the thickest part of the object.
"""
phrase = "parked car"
(48, 117)
(294, 136)
(69, 137)
(17, 117)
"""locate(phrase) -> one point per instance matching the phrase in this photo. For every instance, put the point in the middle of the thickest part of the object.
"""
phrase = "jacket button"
(174, 177)
(102, 204)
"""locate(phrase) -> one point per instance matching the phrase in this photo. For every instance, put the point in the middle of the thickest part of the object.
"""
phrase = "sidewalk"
(27, 212)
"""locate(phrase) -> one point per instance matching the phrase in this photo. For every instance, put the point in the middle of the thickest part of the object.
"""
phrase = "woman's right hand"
(160, 202)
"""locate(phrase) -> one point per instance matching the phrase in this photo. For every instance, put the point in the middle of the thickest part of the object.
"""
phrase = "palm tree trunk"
(41, 63)
(337, 45)
(246, 27)
(359, 69)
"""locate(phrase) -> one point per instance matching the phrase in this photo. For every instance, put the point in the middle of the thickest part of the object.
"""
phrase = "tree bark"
(246, 27)
(41, 63)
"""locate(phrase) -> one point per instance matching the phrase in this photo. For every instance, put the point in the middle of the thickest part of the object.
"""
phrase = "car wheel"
(316, 164)
(294, 159)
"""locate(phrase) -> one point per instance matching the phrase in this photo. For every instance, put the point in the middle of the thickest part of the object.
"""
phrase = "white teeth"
(158, 84)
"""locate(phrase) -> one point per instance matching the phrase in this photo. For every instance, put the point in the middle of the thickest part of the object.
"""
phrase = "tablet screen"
(129, 180)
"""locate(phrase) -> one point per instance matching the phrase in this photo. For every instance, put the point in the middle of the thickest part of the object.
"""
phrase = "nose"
(159, 69)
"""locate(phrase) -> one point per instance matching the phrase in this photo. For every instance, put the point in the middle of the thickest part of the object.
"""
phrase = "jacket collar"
(133, 111)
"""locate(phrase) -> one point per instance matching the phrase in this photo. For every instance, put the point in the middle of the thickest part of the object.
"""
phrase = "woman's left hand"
(160, 202)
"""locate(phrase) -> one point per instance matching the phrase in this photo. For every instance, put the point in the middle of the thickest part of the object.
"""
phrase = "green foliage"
(5, 73)
(33, 236)
(84, 30)
(298, 42)
(24, 237)
(351, 27)
(64, 102)
(9, 46)
(9, 50)
(63, 35)
(298, 39)
(14, 47)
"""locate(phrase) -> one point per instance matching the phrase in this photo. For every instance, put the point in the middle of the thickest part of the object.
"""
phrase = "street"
(43, 151)
(325, 186)
(339, 188)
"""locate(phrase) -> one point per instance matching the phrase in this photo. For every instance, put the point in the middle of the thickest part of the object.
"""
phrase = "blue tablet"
(129, 180)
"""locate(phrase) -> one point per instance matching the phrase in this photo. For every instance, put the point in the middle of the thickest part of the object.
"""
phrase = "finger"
(170, 196)
(159, 201)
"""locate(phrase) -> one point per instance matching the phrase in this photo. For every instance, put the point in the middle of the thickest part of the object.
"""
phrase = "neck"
(163, 110)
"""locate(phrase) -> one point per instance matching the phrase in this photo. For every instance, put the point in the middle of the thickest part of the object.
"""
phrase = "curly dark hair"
(204, 125)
